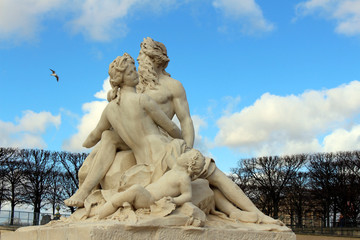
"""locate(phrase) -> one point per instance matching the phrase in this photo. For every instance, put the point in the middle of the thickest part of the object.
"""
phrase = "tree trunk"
(12, 213)
(36, 219)
(334, 216)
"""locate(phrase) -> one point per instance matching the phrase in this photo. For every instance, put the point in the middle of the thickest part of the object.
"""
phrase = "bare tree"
(14, 178)
(6, 156)
(297, 197)
(68, 188)
(54, 195)
(39, 165)
(322, 173)
(270, 176)
(2, 183)
(347, 188)
(71, 162)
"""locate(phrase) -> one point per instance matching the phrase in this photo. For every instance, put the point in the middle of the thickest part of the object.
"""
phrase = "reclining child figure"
(175, 185)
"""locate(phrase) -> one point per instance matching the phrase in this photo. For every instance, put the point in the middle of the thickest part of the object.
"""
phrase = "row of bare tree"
(324, 183)
(327, 184)
(38, 178)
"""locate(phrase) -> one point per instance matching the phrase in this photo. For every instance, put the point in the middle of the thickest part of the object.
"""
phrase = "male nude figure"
(170, 95)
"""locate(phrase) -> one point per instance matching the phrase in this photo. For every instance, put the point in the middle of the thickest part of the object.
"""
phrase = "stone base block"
(113, 230)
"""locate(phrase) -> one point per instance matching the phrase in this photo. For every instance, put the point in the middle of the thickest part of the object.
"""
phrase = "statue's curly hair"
(119, 65)
(151, 51)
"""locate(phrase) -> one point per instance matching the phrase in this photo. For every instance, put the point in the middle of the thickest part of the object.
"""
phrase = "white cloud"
(22, 19)
(27, 131)
(249, 13)
(102, 94)
(92, 112)
(106, 19)
(201, 143)
(343, 140)
(291, 124)
(103, 20)
(346, 13)
(231, 104)
(100, 20)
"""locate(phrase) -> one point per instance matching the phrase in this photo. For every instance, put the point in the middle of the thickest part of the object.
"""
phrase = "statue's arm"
(159, 116)
(95, 135)
(182, 112)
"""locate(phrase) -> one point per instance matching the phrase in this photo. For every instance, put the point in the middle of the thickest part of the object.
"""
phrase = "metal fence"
(22, 218)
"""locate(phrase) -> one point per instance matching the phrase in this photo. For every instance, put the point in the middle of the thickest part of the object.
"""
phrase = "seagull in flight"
(54, 74)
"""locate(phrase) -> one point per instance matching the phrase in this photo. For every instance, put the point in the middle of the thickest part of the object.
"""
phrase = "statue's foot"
(76, 200)
(262, 218)
(244, 216)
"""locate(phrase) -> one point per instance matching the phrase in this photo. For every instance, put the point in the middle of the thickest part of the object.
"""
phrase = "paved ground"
(311, 237)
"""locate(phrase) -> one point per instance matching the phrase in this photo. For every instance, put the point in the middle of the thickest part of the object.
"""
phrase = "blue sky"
(261, 78)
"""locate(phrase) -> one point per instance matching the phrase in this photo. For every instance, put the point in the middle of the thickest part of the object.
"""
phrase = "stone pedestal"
(113, 230)
(194, 220)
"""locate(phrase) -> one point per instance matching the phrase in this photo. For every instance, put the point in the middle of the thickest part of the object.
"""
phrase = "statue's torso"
(137, 128)
(163, 95)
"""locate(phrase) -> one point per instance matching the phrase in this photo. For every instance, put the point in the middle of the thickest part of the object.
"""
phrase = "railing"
(22, 218)
(315, 226)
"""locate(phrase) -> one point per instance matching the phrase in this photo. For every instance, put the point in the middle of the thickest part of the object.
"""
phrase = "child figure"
(175, 184)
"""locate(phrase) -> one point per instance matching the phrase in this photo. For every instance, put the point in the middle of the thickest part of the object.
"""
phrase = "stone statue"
(170, 95)
(171, 98)
(144, 171)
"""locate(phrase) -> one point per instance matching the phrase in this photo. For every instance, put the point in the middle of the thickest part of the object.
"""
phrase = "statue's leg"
(102, 161)
(136, 195)
(87, 164)
(233, 212)
(236, 196)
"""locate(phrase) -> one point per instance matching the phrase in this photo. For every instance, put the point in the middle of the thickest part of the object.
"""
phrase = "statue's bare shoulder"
(175, 87)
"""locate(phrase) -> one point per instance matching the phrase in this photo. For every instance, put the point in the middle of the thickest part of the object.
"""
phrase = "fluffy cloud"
(22, 19)
(27, 131)
(293, 124)
(346, 13)
(248, 11)
(98, 20)
(343, 140)
(201, 143)
(105, 20)
(92, 112)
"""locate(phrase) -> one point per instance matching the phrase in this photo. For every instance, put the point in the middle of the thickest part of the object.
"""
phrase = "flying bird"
(54, 74)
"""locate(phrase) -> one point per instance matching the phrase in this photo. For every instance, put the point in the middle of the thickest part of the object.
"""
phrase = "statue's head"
(156, 51)
(193, 160)
(117, 69)
(153, 55)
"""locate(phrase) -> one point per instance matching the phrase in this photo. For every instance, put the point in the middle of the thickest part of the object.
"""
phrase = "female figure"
(135, 118)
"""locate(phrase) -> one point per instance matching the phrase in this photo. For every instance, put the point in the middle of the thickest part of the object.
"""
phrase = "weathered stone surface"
(122, 162)
(113, 230)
